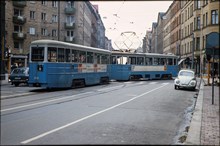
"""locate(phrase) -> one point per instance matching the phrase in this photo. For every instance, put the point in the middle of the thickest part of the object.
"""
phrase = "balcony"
(69, 25)
(21, 3)
(69, 10)
(19, 19)
(19, 35)
(69, 39)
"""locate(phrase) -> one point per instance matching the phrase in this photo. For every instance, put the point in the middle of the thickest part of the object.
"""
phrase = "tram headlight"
(40, 67)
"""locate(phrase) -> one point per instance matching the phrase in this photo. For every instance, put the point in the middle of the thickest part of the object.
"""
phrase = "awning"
(181, 61)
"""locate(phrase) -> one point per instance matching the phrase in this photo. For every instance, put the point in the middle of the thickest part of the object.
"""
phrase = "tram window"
(175, 62)
(75, 56)
(89, 57)
(97, 58)
(113, 60)
(61, 55)
(52, 54)
(140, 60)
(149, 61)
(105, 59)
(37, 54)
(82, 57)
(170, 61)
(67, 55)
(163, 61)
(156, 61)
(132, 60)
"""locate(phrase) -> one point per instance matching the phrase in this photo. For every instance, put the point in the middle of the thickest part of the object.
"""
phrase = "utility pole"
(83, 20)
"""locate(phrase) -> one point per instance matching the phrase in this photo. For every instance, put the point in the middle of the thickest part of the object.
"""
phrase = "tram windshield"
(37, 54)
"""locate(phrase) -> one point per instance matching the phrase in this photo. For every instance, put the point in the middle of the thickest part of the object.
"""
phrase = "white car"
(186, 79)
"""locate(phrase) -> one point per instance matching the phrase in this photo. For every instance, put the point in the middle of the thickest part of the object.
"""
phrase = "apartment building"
(69, 21)
(198, 20)
(186, 26)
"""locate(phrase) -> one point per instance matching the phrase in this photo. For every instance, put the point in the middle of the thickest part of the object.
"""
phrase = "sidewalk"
(204, 126)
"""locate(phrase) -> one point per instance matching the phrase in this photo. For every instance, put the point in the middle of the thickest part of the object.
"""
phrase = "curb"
(194, 134)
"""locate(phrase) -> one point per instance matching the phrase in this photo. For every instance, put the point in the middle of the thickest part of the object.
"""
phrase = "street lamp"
(193, 51)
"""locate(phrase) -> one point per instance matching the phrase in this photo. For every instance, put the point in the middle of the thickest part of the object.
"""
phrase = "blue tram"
(136, 66)
(56, 64)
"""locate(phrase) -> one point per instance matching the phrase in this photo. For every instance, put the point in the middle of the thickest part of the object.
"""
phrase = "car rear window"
(19, 71)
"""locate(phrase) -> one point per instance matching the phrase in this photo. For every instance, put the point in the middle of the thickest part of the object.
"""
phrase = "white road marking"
(84, 118)
(18, 107)
(110, 88)
(152, 83)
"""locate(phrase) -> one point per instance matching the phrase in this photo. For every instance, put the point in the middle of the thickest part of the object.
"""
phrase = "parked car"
(185, 79)
(19, 75)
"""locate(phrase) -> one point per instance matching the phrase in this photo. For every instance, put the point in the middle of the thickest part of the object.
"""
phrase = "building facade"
(70, 21)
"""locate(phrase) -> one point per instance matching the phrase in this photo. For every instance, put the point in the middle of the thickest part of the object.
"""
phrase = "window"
(105, 59)
(17, 12)
(70, 4)
(97, 59)
(43, 32)
(67, 55)
(69, 19)
(54, 3)
(32, 14)
(149, 61)
(197, 43)
(37, 54)
(75, 56)
(17, 28)
(214, 14)
(70, 33)
(43, 2)
(191, 10)
(52, 54)
(89, 57)
(82, 57)
(61, 55)
(54, 18)
(17, 45)
(32, 30)
(197, 4)
(43, 16)
(204, 23)
(140, 60)
(206, 19)
(198, 22)
(54, 33)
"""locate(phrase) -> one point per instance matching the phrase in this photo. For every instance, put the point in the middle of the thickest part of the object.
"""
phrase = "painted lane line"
(23, 106)
(153, 83)
(84, 118)
(110, 88)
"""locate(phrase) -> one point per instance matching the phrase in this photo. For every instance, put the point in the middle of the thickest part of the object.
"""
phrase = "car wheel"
(175, 86)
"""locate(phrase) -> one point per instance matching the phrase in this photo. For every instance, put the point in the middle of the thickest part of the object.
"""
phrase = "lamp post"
(193, 51)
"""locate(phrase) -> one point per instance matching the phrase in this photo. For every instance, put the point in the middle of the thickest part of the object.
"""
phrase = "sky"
(126, 22)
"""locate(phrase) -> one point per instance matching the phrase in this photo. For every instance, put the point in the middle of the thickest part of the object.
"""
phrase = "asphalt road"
(136, 112)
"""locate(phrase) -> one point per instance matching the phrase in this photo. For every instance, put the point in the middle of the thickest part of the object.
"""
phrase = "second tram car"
(56, 64)
(136, 66)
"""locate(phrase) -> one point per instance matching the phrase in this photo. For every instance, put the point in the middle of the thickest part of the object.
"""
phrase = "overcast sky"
(132, 16)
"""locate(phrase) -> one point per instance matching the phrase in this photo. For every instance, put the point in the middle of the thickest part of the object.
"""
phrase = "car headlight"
(193, 83)
(177, 81)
